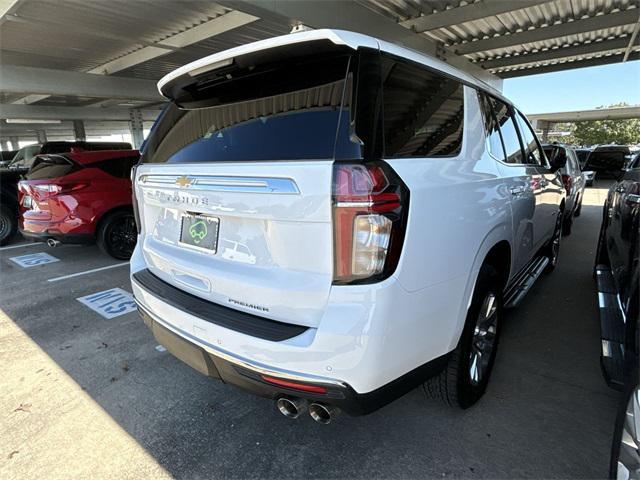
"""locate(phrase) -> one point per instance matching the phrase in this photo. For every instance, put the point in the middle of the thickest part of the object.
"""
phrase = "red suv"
(80, 197)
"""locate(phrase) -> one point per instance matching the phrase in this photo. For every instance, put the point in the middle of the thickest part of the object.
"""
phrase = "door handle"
(633, 198)
(517, 190)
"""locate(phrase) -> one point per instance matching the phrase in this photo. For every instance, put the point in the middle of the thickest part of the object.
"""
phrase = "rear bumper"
(75, 238)
(248, 375)
(70, 226)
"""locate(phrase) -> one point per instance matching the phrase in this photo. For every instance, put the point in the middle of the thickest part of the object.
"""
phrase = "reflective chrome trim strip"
(354, 204)
(221, 183)
(237, 360)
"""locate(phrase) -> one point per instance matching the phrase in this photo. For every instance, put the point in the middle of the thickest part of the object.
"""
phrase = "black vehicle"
(20, 165)
(6, 157)
(608, 160)
(25, 156)
(618, 277)
(583, 155)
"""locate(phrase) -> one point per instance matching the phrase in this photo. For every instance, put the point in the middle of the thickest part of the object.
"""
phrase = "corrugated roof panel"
(543, 15)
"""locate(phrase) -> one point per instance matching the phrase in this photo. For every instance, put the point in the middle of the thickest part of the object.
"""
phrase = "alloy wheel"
(555, 242)
(122, 237)
(484, 339)
(629, 457)
(5, 226)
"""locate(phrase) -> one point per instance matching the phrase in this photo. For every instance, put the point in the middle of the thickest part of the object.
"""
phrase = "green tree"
(622, 132)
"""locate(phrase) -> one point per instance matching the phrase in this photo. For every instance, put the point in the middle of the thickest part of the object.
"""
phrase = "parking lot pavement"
(84, 396)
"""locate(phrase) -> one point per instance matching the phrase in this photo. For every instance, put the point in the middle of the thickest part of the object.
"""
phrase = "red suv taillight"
(370, 205)
(42, 192)
(567, 182)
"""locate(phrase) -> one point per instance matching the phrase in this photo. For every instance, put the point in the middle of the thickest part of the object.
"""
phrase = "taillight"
(43, 192)
(370, 205)
(567, 182)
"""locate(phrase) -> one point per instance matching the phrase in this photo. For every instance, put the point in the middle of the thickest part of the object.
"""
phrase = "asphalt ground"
(86, 397)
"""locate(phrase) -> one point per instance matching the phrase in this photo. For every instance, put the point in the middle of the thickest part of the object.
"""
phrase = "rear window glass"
(53, 166)
(297, 118)
(116, 167)
(423, 111)
(606, 160)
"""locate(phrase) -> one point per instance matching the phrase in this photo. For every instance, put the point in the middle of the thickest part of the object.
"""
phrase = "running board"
(612, 328)
(516, 293)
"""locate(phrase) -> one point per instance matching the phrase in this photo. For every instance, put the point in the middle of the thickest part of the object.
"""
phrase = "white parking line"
(86, 272)
(22, 245)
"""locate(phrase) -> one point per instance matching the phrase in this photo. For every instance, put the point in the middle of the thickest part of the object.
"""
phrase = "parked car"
(583, 155)
(26, 155)
(81, 197)
(617, 273)
(6, 156)
(574, 183)
(608, 160)
(634, 162)
(589, 177)
(9, 177)
(392, 206)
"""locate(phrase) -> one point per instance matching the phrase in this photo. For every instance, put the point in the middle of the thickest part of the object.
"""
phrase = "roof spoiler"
(222, 64)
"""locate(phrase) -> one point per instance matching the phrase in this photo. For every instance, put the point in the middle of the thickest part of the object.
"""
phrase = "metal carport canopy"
(108, 55)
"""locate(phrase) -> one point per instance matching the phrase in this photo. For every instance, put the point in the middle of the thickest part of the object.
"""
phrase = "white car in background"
(394, 206)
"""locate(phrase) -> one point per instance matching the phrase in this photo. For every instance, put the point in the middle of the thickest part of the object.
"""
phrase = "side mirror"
(558, 158)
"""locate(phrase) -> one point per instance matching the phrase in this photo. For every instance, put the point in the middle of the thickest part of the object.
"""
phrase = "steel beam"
(15, 79)
(42, 112)
(599, 22)
(79, 131)
(632, 41)
(466, 13)
(136, 127)
(616, 113)
(591, 62)
(541, 56)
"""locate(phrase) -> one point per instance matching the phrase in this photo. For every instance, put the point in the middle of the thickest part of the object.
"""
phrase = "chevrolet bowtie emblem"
(183, 181)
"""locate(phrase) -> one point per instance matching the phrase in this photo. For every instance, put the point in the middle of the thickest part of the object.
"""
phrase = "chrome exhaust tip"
(53, 243)
(291, 407)
(322, 413)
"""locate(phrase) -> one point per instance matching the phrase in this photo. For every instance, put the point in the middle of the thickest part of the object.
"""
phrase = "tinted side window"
(116, 167)
(492, 129)
(508, 129)
(533, 153)
(423, 111)
(573, 161)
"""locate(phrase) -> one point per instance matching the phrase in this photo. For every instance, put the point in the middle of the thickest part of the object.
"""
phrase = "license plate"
(200, 231)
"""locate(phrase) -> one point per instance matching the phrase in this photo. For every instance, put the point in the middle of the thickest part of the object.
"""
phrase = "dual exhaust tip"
(294, 407)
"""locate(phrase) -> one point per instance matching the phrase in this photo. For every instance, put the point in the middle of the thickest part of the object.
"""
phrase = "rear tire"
(567, 225)
(464, 380)
(8, 224)
(579, 209)
(117, 234)
(552, 250)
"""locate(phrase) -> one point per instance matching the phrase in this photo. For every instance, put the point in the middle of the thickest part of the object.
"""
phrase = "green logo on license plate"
(198, 231)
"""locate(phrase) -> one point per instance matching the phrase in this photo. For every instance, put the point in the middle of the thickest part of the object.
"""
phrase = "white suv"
(388, 207)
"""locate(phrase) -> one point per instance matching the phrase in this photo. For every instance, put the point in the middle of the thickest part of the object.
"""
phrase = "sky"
(579, 89)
